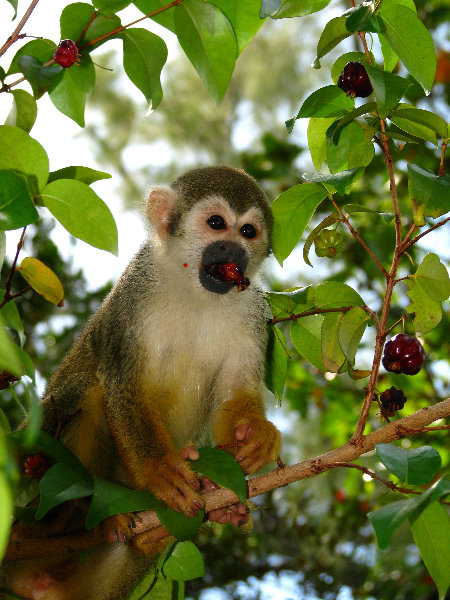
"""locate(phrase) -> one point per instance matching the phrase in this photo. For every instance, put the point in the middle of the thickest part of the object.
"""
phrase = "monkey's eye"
(216, 222)
(248, 231)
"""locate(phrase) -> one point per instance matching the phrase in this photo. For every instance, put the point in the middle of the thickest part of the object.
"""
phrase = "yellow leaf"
(42, 280)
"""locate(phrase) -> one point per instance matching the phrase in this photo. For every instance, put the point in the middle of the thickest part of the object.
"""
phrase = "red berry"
(229, 272)
(36, 465)
(354, 80)
(392, 400)
(403, 354)
(66, 53)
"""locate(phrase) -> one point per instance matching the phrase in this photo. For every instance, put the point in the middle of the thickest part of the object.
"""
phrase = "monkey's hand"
(259, 443)
(237, 514)
(170, 478)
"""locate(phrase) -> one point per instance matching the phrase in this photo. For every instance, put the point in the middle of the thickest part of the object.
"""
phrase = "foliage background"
(312, 539)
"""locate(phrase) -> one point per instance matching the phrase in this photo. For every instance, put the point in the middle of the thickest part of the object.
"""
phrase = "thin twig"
(16, 33)
(357, 237)
(122, 27)
(418, 237)
(7, 297)
(441, 170)
(402, 318)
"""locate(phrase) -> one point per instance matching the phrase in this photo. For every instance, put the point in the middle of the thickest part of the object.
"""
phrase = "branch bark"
(147, 520)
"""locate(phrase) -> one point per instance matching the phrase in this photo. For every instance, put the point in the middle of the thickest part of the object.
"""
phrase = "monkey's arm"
(241, 422)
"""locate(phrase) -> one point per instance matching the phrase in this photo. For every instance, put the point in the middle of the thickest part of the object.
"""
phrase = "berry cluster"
(392, 400)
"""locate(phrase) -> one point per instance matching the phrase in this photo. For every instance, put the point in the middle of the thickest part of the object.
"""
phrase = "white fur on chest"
(200, 355)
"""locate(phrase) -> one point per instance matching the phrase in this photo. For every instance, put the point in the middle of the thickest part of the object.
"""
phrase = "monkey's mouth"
(228, 273)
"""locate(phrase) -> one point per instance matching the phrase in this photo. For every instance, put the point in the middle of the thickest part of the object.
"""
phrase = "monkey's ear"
(159, 209)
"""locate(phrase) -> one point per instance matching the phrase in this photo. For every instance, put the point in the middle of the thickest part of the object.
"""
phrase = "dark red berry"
(228, 272)
(36, 465)
(354, 80)
(66, 53)
(403, 354)
(392, 400)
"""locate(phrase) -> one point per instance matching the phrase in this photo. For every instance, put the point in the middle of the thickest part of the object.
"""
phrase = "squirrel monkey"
(176, 349)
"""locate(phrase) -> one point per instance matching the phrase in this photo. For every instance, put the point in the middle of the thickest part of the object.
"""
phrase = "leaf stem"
(418, 237)
(122, 27)
(7, 297)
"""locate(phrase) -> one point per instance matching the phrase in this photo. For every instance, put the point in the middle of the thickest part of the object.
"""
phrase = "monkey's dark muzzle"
(223, 267)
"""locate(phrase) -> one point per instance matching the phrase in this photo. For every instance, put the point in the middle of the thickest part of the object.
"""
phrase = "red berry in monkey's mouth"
(403, 354)
(66, 53)
(228, 272)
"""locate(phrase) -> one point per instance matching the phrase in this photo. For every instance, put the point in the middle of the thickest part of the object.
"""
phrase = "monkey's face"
(224, 249)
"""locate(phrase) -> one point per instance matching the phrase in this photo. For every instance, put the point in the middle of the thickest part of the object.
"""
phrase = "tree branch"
(16, 33)
(280, 477)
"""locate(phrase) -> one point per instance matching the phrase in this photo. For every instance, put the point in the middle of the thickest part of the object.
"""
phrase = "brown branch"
(16, 33)
(418, 237)
(280, 477)
(7, 297)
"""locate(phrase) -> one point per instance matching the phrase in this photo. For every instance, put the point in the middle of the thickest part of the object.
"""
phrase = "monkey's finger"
(181, 494)
(207, 485)
(243, 432)
(189, 453)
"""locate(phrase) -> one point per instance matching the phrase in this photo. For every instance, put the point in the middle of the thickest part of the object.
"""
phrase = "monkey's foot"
(171, 479)
(261, 443)
(151, 542)
(237, 514)
(118, 528)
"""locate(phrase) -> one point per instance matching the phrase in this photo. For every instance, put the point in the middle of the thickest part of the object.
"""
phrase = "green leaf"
(332, 355)
(351, 330)
(178, 524)
(100, 26)
(388, 89)
(184, 563)
(286, 303)
(419, 122)
(43, 50)
(335, 294)
(11, 317)
(431, 532)
(306, 337)
(59, 484)
(81, 212)
(112, 499)
(329, 101)
(428, 287)
(6, 496)
(222, 468)
(39, 77)
(42, 279)
(14, 5)
(269, 7)
(244, 18)
(329, 220)
(9, 353)
(416, 466)
(207, 38)
(292, 211)
(369, 107)
(16, 204)
(144, 55)
(70, 93)
(428, 312)
(299, 8)
(276, 363)
(390, 58)
(111, 6)
(401, 27)
(341, 182)
(356, 208)
(44, 442)
(74, 18)
(83, 174)
(20, 152)
(335, 31)
(23, 111)
(386, 520)
(429, 191)
(349, 149)
(362, 18)
(164, 18)
(317, 141)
